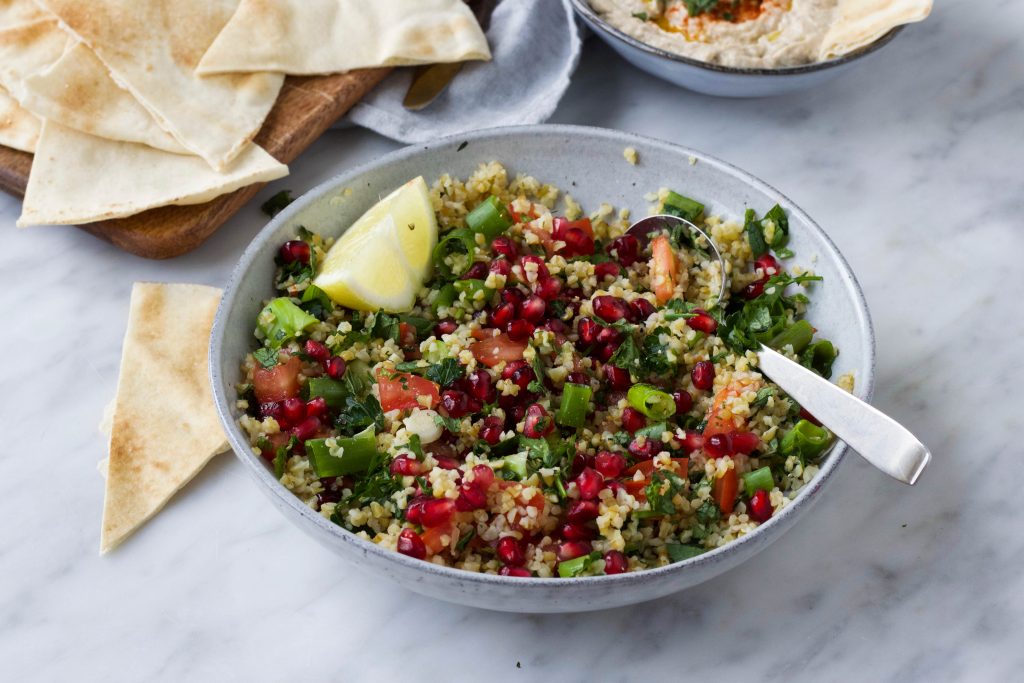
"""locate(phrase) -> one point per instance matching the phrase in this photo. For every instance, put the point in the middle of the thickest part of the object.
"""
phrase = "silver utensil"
(878, 438)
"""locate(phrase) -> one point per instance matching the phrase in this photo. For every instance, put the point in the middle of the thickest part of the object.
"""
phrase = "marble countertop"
(913, 165)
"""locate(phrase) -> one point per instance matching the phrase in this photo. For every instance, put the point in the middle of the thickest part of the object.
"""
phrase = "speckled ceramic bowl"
(723, 81)
(589, 163)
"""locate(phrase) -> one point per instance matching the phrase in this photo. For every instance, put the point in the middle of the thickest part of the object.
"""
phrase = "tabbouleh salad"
(563, 399)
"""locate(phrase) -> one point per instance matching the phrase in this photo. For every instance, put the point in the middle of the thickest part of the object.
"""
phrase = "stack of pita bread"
(133, 104)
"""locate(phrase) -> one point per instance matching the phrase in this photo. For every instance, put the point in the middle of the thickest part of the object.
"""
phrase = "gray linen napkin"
(535, 45)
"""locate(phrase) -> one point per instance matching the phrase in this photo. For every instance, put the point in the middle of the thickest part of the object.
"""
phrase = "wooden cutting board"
(306, 107)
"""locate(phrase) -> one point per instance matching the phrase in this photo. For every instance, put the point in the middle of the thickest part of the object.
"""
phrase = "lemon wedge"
(385, 257)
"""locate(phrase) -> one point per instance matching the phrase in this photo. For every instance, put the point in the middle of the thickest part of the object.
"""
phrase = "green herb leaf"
(663, 487)
(385, 326)
(762, 398)
(357, 415)
(450, 423)
(777, 216)
(677, 552)
(277, 203)
(447, 372)
(695, 7)
(266, 357)
(755, 233)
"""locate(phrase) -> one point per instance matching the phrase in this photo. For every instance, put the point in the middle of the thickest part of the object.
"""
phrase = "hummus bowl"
(590, 162)
(716, 79)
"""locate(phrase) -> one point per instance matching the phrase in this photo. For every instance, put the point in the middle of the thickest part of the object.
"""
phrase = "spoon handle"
(882, 441)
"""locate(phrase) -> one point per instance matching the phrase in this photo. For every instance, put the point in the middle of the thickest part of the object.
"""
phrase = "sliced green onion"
(758, 480)
(576, 566)
(354, 454)
(332, 391)
(471, 287)
(651, 401)
(313, 293)
(805, 440)
(456, 241)
(572, 412)
(435, 352)
(281, 320)
(676, 204)
(653, 431)
(798, 335)
(490, 218)
(677, 552)
(515, 463)
(819, 357)
(357, 378)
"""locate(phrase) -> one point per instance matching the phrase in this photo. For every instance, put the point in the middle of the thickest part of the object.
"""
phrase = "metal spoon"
(878, 438)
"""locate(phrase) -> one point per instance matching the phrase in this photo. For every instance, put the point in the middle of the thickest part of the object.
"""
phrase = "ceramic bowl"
(723, 81)
(589, 163)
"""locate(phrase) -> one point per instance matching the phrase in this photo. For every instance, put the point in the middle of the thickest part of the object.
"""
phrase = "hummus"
(744, 33)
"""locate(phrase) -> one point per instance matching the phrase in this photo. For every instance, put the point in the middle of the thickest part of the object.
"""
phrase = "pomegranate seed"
(642, 308)
(625, 249)
(589, 483)
(519, 330)
(617, 377)
(521, 377)
(446, 326)
(753, 290)
(437, 511)
(745, 442)
(483, 477)
(327, 497)
(760, 508)
(604, 353)
(644, 451)
(293, 410)
(446, 463)
(515, 571)
(533, 309)
(405, 466)
(510, 551)
(615, 562)
(702, 322)
(336, 367)
(316, 407)
(556, 327)
(572, 293)
(632, 419)
(693, 441)
(455, 402)
(570, 550)
(578, 464)
(503, 315)
(684, 402)
(582, 511)
(306, 429)
(538, 423)
(810, 418)
(503, 246)
(609, 335)
(491, 430)
(614, 487)
(477, 271)
(501, 267)
(610, 465)
(410, 543)
(548, 289)
(294, 250)
(578, 378)
(587, 330)
(577, 243)
(271, 409)
(768, 264)
(316, 350)
(610, 308)
(703, 375)
(470, 498)
(414, 510)
(606, 270)
(541, 271)
(512, 367)
(576, 532)
(718, 445)
(515, 414)
(480, 386)
(513, 296)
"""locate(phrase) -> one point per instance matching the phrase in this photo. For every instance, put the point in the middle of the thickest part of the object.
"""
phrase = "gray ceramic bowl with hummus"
(772, 54)
(590, 160)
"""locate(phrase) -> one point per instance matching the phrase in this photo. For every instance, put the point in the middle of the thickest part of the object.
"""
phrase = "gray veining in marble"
(912, 163)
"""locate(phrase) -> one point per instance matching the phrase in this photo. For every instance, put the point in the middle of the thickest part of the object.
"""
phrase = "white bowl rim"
(240, 444)
(583, 8)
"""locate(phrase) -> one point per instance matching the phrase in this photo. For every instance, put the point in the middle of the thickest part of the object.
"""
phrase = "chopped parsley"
(277, 203)
(663, 488)
(450, 423)
(447, 372)
(357, 415)
(265, 357)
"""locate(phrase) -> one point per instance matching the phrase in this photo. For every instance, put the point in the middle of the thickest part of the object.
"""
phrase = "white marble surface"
(914, 166)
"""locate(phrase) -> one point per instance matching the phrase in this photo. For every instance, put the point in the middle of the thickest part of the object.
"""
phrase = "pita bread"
(165, 427)
(862, 22)
(80, 178)
(151, 48)
(19, 12)
(27, 49)
(18, 128)
(77, 91)
(325, 36)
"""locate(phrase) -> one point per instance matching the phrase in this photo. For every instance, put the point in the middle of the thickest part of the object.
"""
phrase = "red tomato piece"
(277, 383)
(401, 390)
(494, 350)
(724, 491)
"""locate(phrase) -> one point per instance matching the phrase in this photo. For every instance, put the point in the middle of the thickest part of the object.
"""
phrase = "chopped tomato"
(275, 441)
(433, 538)
(401, 390)
(494, 350)
(584, 225)
(721, 421)
(724, 491)
(545, 237)
(664, 269)
(406, 335)
(277, 383)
